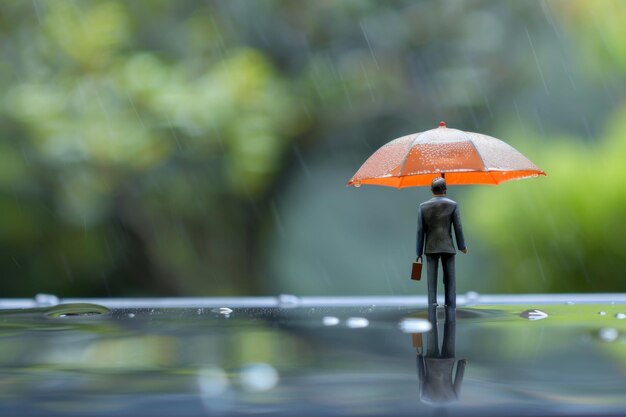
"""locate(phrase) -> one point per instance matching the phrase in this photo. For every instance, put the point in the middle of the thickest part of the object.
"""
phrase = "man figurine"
(435, 220)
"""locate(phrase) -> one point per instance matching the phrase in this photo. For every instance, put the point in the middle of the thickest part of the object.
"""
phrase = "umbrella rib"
(478, 153)
(408, 153)
(493, 178)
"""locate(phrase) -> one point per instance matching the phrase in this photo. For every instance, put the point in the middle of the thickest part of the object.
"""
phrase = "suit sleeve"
(458, 229)
(420, 232)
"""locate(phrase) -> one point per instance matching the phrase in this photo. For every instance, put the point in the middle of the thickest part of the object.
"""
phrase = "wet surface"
(300, 357)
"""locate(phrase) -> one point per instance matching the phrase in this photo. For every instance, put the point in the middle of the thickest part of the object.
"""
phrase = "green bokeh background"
(153, 148)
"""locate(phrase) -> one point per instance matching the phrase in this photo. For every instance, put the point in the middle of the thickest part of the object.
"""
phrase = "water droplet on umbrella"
(357, 184)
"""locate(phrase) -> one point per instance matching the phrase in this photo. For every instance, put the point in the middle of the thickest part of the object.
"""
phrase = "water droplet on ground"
(413, 325)
(46, 300)
(357, 322)
(472, 296)
(620, 316)
(212, 381)
(288, 300)
(224, 311)
(330, 321)
(258, 377)
(534, 314)
(608, 334)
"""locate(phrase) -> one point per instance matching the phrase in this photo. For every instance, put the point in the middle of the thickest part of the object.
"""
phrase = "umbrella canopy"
(462, 157)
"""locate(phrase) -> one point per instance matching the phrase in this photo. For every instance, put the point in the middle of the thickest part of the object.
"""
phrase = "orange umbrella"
(461, 157)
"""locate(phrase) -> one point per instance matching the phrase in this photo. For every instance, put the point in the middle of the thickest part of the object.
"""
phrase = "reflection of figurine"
(434, 238)
(437, 387)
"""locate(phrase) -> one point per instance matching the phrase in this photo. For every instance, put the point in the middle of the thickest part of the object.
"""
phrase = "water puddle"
(274, 359)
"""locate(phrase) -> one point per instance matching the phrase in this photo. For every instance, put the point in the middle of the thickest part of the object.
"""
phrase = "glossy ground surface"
(528, 355)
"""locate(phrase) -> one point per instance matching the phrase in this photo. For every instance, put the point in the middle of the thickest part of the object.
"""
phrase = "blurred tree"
(146, 142)
(565, 233)
(131, 168)
(146, 146)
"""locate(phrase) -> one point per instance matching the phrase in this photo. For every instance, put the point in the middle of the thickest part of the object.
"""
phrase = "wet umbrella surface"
(463, 157)
(547, 355)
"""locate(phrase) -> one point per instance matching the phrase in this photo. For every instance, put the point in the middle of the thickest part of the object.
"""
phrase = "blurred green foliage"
(126, 161)
(567, 229)
(564, 232)
(149, 147)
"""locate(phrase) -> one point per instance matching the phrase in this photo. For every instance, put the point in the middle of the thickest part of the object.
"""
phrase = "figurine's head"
(438, 186)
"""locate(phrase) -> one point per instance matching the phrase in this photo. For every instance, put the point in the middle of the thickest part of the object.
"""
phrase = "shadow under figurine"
(435, 220)
(435, 367)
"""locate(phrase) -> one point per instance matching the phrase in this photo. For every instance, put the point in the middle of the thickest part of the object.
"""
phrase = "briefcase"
(416, 272)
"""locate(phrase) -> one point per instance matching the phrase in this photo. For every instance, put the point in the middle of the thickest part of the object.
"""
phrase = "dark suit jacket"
(435, 220)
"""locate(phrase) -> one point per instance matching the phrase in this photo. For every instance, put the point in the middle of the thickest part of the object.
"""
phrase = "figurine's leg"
(432, 265)
(432, 337)
(450, 313)
(449, 280)
(449, 337)
(432, 314)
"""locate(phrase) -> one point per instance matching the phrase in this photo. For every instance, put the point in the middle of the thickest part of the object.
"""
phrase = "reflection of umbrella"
(462, 157)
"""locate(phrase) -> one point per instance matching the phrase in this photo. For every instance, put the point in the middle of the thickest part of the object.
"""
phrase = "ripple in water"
(534, 314)
(76, 310)
(224, 311)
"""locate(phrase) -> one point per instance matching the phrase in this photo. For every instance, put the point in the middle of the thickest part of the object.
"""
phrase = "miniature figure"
(435, 220)
(467, 158)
